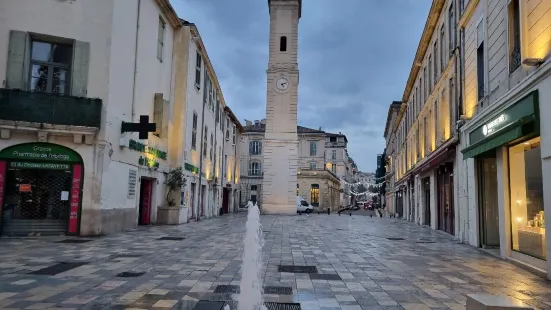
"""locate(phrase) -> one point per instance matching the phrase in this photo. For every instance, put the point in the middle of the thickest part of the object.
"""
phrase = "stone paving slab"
(426, 270)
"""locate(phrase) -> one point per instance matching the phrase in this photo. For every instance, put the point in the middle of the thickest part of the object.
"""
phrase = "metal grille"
(34, 203)
(297, 269)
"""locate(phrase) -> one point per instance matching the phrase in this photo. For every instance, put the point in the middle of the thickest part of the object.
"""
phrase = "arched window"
(255, 168)
(283, 44)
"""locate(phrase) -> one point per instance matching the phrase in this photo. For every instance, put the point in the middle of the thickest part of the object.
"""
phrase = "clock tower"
(281, 141)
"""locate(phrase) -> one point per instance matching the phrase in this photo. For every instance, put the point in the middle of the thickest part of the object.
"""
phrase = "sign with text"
(74, 206)
(31, 165)
(25, 188)
(40, 151)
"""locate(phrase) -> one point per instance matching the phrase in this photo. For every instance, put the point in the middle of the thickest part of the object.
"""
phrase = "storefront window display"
(526, 189)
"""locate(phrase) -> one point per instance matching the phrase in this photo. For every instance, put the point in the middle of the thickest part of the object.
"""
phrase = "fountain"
(250, 296)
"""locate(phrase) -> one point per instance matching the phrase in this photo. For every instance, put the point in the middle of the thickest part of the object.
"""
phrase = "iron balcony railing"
(45, 108)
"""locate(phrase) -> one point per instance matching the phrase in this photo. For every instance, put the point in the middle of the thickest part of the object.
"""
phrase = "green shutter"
(79, 74)
(17, 72)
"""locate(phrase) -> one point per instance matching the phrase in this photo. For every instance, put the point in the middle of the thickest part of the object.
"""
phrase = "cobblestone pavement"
(426, 270)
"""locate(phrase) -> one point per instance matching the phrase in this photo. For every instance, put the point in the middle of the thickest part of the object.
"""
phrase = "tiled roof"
(262, 128)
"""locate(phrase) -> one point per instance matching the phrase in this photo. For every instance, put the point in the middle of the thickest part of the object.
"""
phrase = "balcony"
(36, 109)
(340, 144)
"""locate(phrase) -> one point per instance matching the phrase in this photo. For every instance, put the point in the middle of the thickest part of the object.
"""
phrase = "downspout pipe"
(133, 111)
(235, 169)
(222, 161)
(200, 196)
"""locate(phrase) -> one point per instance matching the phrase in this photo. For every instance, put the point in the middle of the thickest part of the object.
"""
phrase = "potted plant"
(171, 213)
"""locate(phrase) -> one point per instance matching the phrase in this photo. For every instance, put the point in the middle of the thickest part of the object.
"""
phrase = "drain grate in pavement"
(325, 276)
(297, 269)
(57, 269)
(224, 289)
(395, 239)
(74, 241)
(209, 305)
(130, 274)
(278, 290)
(282, 306)
(171, 238)
(272, 290)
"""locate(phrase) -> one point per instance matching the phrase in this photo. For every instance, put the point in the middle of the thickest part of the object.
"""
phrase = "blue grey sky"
(354, 60)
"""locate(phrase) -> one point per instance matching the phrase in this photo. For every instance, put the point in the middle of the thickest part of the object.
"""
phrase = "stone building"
(316, 181)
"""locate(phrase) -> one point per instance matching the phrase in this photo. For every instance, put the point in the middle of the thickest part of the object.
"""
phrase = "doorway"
(192, 200)
(203, 194)
(146, 189)
(225, 200)
(487, 200)
(446, 210)
(427, 216)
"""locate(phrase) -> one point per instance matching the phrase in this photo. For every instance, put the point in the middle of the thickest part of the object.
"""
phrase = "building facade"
(70, 81)
(424, 157)
(504, 146)
(393, 204)
(211, 134)
(316, 182)
(338, 162)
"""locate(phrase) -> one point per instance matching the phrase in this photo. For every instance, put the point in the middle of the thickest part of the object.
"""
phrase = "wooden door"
(145, 202)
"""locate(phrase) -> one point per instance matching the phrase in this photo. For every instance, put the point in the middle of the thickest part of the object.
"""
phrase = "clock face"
(282, 84)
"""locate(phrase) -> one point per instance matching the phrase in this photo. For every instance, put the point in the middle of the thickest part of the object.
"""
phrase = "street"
(377, 270)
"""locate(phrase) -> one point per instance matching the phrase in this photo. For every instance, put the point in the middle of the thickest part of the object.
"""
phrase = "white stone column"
(503, 198)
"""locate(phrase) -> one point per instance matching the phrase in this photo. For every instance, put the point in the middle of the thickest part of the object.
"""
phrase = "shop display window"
(526, 190)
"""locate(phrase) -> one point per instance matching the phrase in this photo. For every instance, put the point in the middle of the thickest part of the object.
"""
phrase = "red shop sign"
(75, 199)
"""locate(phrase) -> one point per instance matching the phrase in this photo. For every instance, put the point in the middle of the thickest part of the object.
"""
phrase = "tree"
(175, 180)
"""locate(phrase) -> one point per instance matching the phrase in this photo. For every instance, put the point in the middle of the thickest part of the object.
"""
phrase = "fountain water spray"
(250, 296)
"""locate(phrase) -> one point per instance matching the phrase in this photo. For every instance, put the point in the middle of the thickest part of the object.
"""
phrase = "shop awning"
(516, 130)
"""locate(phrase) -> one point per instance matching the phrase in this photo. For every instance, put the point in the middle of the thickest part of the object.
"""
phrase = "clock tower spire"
(281, 140)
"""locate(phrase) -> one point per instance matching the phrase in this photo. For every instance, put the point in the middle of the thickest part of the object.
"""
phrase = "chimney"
(256, 123)
(248, 123)
(263, 121)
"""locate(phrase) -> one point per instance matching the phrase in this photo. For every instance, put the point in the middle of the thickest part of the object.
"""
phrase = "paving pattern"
(362, 263)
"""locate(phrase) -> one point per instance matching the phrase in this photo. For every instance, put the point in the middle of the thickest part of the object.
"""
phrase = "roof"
(395, 105)
(234, 119)
(262, 128)
(299, 7)
(169, 12)
(329, 134)
(430, 26)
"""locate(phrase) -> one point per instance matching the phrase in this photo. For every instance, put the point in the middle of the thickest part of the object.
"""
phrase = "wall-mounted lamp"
(533, 62)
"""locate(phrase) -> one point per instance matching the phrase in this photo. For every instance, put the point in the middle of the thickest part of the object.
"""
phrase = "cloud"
(354, 60)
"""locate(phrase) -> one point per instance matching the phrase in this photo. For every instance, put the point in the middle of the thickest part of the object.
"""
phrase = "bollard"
(328, 211)
(350, 214)
(371, 215)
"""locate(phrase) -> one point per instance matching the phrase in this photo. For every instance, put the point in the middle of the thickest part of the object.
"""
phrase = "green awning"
(493, 142)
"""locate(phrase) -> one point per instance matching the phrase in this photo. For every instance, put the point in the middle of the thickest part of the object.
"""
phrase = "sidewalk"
(377, 269)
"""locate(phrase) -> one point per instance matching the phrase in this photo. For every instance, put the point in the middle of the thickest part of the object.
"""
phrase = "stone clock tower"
(279, 186)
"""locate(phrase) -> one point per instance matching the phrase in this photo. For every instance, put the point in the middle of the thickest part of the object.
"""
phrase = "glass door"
(489, 213)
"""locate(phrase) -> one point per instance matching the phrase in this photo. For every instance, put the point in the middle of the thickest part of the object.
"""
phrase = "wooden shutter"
(17, 73)
(79, 74)
(158, 113)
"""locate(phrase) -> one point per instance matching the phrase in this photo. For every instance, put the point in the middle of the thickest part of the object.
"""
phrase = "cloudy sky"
(354, 60)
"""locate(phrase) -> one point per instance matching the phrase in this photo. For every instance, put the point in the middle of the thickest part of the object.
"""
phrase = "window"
(50, 67)
(480, 61)
(420, 98)
(526, 190)
(283, 44)
(211, 145)
(315, 195)
(313, 147)
(334, 168)
(515, 55)
(430, 74)
(426, 136)
(233, 134)
(194, 132)
(425, 86)
(255, 147)
(198, 63)
(161, 39)
(253, 187)
(208, 89)
(313, 165)
(435, 69)
(205, 135)
(332, 139)
(451, 23)
(255, 168)
(334, 154)
(442, 40)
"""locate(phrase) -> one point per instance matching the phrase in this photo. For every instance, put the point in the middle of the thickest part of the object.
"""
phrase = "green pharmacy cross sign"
(143, 128)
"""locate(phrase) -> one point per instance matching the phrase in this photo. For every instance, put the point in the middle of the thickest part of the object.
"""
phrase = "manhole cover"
(282, 306)
(209, 305)
(297, 269)
(130, 274)
(278, 290)
(74, 241)
(395, 239)
(223, 289)
(57, 269)
(329, 277)
(171, 238)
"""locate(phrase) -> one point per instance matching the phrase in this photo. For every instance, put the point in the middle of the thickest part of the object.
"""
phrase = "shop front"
(40, 190)
(508, 163)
